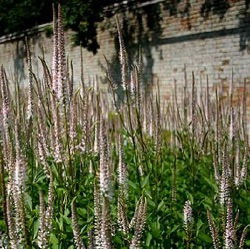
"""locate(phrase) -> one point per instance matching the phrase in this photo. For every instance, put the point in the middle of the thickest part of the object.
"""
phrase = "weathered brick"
(210, 45)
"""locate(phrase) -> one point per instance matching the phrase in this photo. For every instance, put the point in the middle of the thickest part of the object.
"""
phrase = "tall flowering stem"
(225, 178)
(62, 77)
(55, 52)
(122, 169)
(30, 108)
(243, 237)
(97, 217)
(138, 222)
(105, 179)
(123, 58)
(42, 243)
(229, 235)
(213, 230)
(105, 224)
(76, 231)
(188, 221)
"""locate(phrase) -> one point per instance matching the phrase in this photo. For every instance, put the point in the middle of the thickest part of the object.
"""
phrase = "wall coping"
(32, 31)
(124, 5)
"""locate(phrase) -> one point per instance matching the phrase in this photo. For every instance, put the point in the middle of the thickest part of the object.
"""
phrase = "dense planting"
(78, 171)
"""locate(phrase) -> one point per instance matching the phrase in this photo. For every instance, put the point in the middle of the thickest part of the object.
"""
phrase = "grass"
(79, 172)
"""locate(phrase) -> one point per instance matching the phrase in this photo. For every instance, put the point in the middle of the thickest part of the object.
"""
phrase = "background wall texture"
(208, 37)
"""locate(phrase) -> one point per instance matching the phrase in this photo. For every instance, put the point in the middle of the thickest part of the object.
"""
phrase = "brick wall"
(207, 37)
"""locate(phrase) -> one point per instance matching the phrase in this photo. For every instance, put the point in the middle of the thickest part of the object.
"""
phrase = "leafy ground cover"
(80, 172)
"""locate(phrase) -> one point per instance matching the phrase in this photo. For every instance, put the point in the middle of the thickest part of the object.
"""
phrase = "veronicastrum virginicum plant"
(79, 172)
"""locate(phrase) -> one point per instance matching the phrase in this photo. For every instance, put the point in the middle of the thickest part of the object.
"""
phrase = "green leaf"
(150, 202)
(67, 212)
(149, 238)
(211, 183)
(204, 237)
(35, 227)
(174, 228)
(148, 194)
(144, 181)
(190, 197)
(82, 211)
(156, 233)
(199, 225)
(131, 184)
(53, 239)
(160, 205)
(28, 200)
(67, 220)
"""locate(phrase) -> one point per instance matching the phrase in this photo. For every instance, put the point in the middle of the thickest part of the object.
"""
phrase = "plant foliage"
(77, 170)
